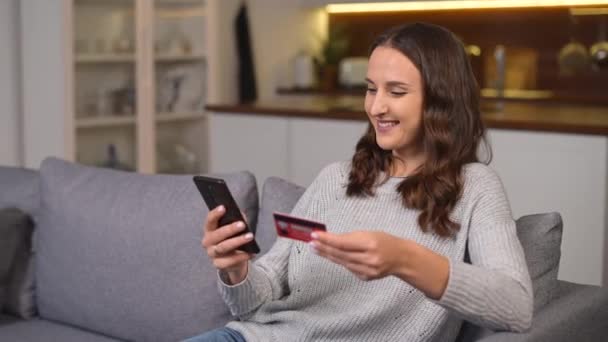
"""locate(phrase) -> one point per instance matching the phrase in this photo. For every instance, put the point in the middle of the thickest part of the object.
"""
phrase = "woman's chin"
(385, 145)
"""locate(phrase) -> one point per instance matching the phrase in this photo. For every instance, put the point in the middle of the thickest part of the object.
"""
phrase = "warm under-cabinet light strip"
(589, 11)
(454, 5)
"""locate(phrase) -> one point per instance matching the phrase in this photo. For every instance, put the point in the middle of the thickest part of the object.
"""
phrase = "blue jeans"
(218, 335)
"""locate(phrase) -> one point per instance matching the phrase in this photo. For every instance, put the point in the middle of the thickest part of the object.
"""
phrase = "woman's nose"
(379, 105)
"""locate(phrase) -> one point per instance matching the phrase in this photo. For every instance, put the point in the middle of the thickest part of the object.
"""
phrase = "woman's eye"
(371, 90)
(398, 93)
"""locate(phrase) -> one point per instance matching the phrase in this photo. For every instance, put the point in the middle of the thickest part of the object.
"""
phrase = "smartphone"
(215, 192)
(296, 228)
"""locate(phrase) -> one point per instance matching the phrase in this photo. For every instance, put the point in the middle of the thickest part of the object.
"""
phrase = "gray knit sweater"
(292, 294)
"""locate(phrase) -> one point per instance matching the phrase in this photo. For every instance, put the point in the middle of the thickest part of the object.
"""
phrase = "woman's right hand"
(222, 247)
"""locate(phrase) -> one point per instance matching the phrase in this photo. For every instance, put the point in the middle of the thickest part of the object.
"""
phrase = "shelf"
(180, 58)
(100, 59)
(183, 116)
(105, 121)
(105, 3)
(180, 3)
(127, 58)
(179, 13)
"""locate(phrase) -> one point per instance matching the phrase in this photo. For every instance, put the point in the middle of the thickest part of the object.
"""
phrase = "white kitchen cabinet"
(541, 172)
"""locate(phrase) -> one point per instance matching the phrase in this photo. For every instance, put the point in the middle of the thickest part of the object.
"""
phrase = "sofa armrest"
(576, 313)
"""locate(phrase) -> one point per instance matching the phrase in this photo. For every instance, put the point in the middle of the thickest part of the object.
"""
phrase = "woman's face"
(394, 100)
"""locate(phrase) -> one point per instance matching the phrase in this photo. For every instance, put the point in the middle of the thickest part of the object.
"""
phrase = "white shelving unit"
(137, 78)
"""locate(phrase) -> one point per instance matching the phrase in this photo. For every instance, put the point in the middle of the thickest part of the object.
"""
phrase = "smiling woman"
(413, 210)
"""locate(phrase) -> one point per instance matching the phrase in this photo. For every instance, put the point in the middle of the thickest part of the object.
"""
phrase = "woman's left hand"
(369, 255)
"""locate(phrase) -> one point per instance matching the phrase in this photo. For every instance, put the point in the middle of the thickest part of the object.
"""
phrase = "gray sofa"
(117, 256)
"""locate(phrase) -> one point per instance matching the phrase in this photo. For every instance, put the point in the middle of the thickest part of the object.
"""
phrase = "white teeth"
(385, 124)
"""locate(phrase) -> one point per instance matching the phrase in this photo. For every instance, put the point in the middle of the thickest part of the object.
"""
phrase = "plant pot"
(329, 78)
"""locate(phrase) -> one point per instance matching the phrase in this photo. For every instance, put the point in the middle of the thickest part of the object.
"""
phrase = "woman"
(420, 234)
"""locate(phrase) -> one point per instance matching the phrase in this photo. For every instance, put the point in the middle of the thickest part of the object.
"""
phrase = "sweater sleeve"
(267, 277)
(495, 290)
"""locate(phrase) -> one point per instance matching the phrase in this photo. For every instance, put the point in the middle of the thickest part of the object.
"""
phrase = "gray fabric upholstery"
(576, 313)
(37, 330)
(16, 229)
(19, 188)
(120, 253)
(277, 195)
(541, 238)
(10, 222)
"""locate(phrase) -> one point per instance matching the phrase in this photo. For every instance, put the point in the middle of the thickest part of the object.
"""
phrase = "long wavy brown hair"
(452, 129)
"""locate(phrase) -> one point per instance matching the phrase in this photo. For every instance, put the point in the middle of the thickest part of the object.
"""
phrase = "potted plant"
(333, 49)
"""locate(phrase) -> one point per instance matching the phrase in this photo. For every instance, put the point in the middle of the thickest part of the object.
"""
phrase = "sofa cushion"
(16, 229)
(541, 238)
(40, 330)
(277, 195)
(120, 253)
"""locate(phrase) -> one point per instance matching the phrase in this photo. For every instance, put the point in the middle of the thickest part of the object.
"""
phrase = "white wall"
(44, 77)
(10, 137)
(279, 29)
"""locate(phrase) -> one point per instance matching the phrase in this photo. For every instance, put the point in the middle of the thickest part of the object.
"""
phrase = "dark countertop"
(518, 115)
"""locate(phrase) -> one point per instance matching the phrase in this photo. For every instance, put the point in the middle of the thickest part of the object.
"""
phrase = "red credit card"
(295, 227)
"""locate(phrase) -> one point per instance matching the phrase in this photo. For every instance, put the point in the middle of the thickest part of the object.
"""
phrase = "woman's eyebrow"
(397, 83)
(390, 83)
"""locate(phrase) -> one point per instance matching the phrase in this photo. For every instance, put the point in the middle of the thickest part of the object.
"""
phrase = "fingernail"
(220, 208)
(314, 235)
(313, 245)
(248, 236)
(240, 224)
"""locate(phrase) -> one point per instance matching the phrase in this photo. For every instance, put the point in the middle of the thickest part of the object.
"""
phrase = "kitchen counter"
(516, 115)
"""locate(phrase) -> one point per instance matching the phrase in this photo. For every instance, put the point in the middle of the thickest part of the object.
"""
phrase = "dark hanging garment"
(247, 88)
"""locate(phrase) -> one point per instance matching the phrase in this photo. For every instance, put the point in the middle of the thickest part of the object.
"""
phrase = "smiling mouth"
(387, 124)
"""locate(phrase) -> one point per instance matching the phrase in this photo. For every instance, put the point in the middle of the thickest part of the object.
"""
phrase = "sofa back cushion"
(120, 253)
(277, 195)
(541, 239)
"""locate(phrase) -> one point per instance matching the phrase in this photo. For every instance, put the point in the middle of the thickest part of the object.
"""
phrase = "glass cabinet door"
(180, 30)
(104, 83)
